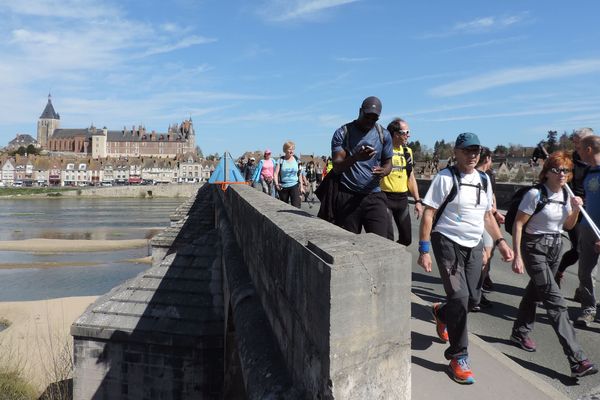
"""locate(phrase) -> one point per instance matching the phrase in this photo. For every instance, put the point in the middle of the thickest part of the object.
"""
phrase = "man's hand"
(379, 171)
(597, 246)
(365, 153)
(418, 210)
(499, 217)
(425, 261)
(505, 251)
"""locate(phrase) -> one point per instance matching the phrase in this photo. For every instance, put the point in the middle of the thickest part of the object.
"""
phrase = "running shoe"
(524, 342)
(460, 370)
(440, 327)
(585, 319)
(583, 368)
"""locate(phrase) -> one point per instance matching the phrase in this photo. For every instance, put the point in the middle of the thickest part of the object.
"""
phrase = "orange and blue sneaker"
(440, 327)
(460, 370)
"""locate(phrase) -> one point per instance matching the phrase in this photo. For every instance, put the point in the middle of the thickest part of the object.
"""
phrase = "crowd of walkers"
(366, 184)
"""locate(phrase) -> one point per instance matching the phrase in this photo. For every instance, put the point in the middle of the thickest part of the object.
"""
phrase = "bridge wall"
(338, 303)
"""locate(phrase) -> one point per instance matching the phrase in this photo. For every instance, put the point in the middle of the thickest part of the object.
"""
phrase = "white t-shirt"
(462, 221)
(553, 215)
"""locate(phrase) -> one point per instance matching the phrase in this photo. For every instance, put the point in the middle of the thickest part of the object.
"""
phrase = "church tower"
(47, 123)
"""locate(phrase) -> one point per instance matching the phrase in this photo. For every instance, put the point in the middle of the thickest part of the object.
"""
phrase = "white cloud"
(353, 59)
(550, 109)
(516, 75)
(181, 44)
(77, 9)
(285, 10)
(487, 43)
(480, 25)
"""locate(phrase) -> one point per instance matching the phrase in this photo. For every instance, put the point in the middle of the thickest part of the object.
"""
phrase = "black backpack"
(454, 191)
(511, 214)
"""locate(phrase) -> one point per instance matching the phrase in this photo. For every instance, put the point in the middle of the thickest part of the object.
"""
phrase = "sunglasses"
(557, 171)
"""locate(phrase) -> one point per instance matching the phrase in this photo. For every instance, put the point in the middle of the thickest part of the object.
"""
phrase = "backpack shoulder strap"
(345, 139)
(543, 198)
(455, 187)
(380, 132)
(484, 180)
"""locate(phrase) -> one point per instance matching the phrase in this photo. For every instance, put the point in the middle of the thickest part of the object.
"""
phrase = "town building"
(104, 143)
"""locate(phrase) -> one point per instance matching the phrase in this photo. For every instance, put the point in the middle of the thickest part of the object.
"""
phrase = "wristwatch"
(497, 242)
(419, 201)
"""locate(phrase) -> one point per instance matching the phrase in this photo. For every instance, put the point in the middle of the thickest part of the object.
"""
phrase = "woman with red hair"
(544, 212)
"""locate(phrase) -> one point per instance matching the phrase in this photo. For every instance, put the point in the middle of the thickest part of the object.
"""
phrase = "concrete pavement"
(496, 376)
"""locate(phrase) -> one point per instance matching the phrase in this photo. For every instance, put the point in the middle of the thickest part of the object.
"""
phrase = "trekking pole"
(585, 214)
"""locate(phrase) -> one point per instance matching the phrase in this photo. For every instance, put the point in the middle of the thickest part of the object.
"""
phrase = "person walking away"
(485, 283)
(250, 171)
(264, 173)
(580, 168)
(461, 201)
(287, 176)
(537, 243)
(589, 245)
(400, 183)
(311, 177)
(362, 155)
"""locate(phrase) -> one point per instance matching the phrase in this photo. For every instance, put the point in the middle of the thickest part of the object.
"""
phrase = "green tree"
(21, 151)
(500, 149)
(416, 149)
(31, 149)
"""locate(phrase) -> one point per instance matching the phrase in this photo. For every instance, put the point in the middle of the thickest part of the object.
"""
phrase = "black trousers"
(355, 211)
(292, 193)
(397, 203)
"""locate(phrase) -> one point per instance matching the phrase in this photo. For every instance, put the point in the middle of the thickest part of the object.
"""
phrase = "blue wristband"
(424, 246)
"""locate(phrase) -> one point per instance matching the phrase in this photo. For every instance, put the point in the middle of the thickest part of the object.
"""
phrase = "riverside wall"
(165, 190)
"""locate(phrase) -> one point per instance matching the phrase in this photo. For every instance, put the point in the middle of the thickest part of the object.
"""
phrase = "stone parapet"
(338, 303)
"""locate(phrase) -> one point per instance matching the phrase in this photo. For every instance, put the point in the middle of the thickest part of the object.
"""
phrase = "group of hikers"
(368, 187)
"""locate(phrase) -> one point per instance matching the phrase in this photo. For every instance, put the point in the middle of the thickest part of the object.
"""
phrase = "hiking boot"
(559, 277)
(440, 327)
(460, 370)
(585, 319)
(583, 368)
(524, 342)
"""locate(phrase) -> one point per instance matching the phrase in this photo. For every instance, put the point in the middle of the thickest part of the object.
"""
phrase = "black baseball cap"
(371, 105)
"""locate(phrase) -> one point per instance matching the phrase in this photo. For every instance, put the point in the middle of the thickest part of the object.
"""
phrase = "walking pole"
(585, 214)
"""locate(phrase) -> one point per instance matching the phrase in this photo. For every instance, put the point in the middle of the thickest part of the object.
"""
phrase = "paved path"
(545, 372)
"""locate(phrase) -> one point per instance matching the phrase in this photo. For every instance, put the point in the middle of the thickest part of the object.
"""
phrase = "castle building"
(103, 143)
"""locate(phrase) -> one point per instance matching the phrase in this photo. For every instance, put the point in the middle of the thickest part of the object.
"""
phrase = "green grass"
(12, 191)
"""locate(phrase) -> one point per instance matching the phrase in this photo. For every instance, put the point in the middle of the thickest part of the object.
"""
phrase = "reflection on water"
(88, 219)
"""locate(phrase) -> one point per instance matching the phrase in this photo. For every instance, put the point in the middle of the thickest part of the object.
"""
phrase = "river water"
(77, 274)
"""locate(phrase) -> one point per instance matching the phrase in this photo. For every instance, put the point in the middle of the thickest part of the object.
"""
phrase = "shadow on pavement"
(420, 341)
(562, 378)
(429, 365)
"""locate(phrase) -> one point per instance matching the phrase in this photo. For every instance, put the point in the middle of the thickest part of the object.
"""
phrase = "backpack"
(509, 218)
(454, 191)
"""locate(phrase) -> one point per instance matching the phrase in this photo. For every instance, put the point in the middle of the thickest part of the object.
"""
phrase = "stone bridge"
(251, 298)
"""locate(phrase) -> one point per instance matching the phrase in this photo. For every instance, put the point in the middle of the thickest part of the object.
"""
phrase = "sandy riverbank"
(68, 246)
(39, 334)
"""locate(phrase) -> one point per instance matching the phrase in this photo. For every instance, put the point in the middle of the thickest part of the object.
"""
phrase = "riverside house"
(57, 171)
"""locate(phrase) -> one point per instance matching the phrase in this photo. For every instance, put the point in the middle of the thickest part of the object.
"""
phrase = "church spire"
(49, 112)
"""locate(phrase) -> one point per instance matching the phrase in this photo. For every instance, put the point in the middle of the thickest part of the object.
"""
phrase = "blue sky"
(253, 74)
